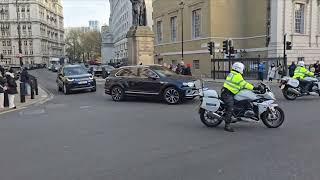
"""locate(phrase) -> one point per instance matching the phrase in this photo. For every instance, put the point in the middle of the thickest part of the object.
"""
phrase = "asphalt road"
(87, 136)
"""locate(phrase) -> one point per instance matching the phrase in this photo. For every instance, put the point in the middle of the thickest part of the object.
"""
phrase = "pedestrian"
(279, 72)
(272, 72)
(2, 70)
(187, 70)
(317, 67)
(292, 68)
(24, 78)
(261, 70)
(3, 88)
(12, 88)
(178, 68)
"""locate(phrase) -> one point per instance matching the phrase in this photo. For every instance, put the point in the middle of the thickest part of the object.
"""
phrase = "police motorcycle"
(291, 88)
(250, 106)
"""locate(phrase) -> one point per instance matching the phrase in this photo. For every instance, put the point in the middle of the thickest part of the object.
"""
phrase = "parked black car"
(154, 80)
(75, 78)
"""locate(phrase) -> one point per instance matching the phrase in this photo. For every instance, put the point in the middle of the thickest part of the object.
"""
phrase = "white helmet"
(301, 63)
(238, 66)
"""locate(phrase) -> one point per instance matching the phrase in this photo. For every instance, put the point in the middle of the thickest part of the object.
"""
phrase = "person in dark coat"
(24, 78)
(187, 70)
(2, 71)
(12, 88)
(2, 90)
(292, 67)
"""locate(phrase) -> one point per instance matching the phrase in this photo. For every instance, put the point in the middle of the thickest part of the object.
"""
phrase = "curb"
(43, 99)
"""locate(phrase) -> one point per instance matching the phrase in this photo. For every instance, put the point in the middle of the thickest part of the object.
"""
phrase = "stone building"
(107, 45)
(256, 28)
(42, 30)
(120, 22)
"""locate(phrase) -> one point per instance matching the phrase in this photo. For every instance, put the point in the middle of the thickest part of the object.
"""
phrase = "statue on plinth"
(139, 13)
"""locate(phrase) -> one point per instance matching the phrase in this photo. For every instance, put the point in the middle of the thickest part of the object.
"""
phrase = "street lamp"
(181, 4)
(19, 34)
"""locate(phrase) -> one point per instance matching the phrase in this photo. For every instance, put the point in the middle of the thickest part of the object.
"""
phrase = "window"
(173, 21)
(299, 18)
(159, 31)
(145, 73)
(128, 72)
(9, 52)
(196, 64)
(4, 43)
(196, 23)
(9, 43)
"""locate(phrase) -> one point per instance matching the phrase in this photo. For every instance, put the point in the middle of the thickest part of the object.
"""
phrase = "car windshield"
(71, 71)
(15, 69)
(162, 71)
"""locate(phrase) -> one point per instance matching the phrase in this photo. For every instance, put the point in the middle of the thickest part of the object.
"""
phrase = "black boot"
(228, 128)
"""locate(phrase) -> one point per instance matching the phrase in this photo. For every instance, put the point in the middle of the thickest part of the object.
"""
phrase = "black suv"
(75, 78)
(153, 80)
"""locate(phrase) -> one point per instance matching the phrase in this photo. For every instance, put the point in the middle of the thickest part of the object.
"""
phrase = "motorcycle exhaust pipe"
(214, 115)
(294, 91)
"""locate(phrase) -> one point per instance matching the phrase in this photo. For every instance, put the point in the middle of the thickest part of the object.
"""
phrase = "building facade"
(42, 32)
(256, 28)
(94, 25)
(120, 22)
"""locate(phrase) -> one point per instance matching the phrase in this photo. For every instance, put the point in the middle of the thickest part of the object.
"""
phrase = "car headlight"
(70, 80)
(189, 84)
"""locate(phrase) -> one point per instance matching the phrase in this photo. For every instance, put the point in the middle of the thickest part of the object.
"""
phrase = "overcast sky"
(79, 12)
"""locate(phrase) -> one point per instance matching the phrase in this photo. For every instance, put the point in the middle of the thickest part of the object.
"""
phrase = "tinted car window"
(163, 71)
(146, 72)
(71, 71)
(127, 72)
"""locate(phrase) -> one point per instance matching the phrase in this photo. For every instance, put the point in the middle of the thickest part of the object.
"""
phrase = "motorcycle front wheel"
(209, 119)
(273, 120)
(289, 95)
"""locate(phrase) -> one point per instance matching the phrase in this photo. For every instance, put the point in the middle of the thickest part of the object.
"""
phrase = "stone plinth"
(140, 45)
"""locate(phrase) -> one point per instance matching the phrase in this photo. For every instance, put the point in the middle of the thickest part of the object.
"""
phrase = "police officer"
(300, 74)
(232, 86)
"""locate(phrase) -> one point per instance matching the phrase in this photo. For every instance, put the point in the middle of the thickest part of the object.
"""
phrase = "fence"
(220, 68)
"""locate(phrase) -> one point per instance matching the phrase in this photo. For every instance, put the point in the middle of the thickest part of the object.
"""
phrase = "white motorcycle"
(291, 88)
(249, 106)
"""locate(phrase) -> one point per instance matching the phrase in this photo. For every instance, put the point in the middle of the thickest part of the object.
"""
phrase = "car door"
(148, 82)
(128, 78)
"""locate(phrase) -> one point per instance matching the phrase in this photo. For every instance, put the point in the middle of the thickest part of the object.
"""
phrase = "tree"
(73, 46)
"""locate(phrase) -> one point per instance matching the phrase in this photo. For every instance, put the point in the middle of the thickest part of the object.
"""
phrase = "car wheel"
(172, 96)
(65, 90)
(117, 93)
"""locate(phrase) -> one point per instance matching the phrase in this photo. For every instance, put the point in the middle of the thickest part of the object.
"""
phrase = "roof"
(72, 65)
(151, 65)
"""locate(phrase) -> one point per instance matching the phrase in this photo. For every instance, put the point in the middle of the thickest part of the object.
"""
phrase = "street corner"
(42, 97)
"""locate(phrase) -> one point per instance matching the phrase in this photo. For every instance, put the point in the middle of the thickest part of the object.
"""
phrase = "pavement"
(40, 98)
(87, 136)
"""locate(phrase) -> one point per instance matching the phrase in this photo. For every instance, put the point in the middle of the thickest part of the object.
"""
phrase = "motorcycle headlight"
(70, 79)
(189, 84)
(91, 77)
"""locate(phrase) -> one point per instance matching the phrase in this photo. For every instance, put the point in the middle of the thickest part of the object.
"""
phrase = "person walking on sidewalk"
(292, 68)
(3, 88)
(261, 70)
(12, 88)
(24, 78)
(272, 72)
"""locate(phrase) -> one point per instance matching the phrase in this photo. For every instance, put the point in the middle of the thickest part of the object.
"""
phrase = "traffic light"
(288, 45)
(211, 47)
(226, 46)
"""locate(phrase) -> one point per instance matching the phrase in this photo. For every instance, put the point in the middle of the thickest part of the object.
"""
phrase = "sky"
(79, 12)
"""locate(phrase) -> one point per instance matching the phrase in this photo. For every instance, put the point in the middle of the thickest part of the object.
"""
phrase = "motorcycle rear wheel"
(273, 123)
(208, 121)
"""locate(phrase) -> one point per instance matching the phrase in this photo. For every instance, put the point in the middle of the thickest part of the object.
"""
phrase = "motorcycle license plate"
(282, 86)
(82, 82)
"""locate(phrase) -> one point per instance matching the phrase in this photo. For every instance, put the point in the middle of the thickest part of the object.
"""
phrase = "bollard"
(22, 92)
(6, 100)
(36, 86)
(32, 88)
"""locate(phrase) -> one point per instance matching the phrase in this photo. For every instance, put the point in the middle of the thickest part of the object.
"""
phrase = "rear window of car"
(127, 72)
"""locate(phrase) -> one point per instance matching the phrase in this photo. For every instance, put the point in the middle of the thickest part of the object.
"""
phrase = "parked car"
(75, 78)
(152, 81)
(98, 70)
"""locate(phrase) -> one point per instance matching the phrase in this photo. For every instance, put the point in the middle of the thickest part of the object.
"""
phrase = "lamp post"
(285, 54)
(19, 34)
(181, 4)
